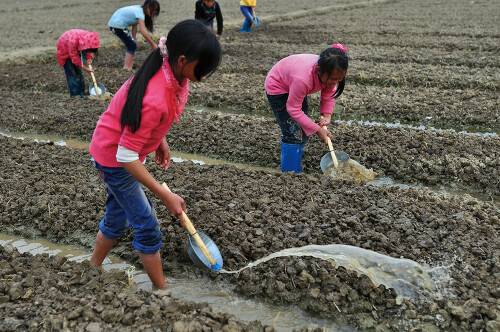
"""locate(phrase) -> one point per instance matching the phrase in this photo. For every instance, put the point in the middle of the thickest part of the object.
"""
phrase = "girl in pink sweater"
(134, 125)
(287, 86)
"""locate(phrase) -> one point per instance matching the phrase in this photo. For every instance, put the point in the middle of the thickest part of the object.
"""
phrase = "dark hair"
(154, 7)
(95, 51)
(333, 59)
(190, 38)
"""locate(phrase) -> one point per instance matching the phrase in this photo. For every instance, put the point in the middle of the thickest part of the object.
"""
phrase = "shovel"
(333, 157)
(95, 88)
(255, 20)
(201, 249)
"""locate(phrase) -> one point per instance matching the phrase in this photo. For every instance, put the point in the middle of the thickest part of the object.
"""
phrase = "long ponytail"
(131, 113)
(190, 38)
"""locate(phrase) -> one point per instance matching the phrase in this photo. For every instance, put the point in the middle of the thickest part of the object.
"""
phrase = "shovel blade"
(197, 256)
(100, 89)
(327, 162)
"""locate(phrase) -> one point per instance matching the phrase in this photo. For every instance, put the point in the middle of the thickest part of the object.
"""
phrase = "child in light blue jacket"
(133, 16)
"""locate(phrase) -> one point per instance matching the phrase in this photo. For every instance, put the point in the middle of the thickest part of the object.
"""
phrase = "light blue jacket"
(126, 16)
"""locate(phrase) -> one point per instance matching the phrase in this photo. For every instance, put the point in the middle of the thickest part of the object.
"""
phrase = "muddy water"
(351, 169)
(202, 290)
(418, 126)
(46, 138)
(406, 277)
(226, 110)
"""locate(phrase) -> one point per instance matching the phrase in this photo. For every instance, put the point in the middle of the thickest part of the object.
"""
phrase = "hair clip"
(163, 47)
(342, 48)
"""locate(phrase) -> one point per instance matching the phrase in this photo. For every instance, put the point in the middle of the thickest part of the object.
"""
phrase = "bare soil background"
(435, 64)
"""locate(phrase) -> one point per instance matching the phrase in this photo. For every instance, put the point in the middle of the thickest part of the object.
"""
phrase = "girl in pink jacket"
(134, 125)
(287, 86)
(75, 50)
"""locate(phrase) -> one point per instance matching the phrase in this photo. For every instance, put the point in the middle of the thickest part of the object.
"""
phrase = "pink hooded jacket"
(73, 41)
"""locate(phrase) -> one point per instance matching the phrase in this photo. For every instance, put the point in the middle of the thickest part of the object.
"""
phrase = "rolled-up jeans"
(127, 205)
(290, 129)
(126, 38)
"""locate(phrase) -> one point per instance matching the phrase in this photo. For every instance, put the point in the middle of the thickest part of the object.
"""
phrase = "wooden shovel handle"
(192, 231)
(93, 80)
(332, 151)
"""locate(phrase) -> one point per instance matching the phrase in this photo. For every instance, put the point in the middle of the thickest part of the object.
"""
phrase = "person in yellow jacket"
(248, 9)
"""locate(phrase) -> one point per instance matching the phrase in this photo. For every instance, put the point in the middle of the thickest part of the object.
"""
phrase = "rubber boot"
(247, 26)
(291, 157)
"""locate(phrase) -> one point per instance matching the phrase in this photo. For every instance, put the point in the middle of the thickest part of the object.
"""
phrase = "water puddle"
(201, 290)
(202, 109)
(40, 138)
(197, 159)
(408, 278)
(385, 181)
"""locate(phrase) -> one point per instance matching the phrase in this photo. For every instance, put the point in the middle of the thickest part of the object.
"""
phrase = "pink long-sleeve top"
(76, 40)
(163, 103)
(296, 75)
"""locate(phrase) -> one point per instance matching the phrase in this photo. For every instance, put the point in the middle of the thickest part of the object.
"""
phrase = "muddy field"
(435, 65)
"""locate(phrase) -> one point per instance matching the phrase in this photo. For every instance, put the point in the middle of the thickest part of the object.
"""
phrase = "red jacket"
(73, 41)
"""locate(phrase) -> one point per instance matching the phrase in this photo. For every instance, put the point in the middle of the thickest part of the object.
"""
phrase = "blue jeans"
(128, 205)
(292, 132)
(247, 24)
(210, 25)
(126, 38)
(74, 77)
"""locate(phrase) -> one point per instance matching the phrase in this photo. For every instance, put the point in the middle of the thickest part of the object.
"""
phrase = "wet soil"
(53, 191)
(435, 64)
(66, 296)
(46, 21)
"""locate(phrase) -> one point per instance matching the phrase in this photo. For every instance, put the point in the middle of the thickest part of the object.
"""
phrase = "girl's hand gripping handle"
(332, 152)
(192, 231)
